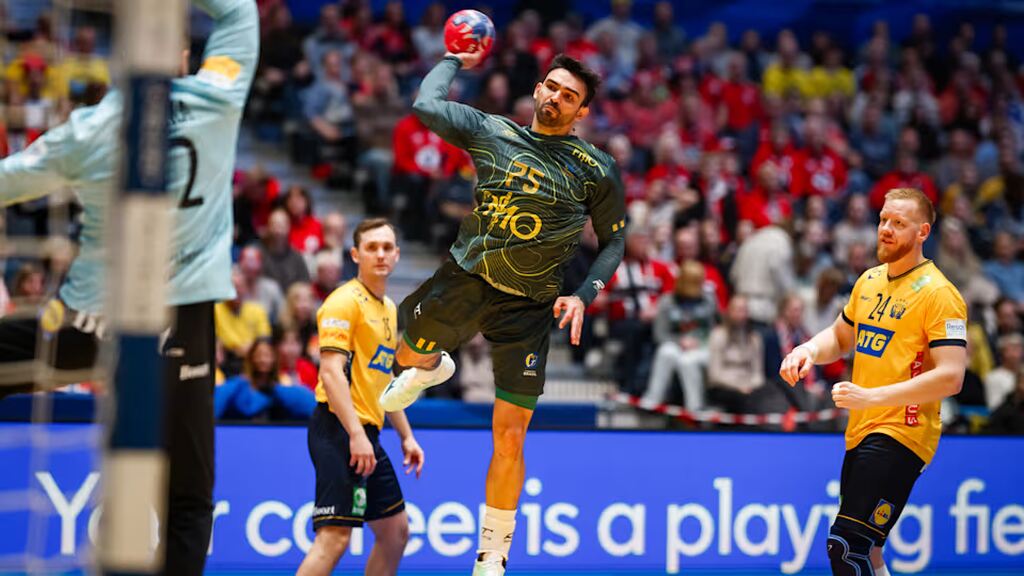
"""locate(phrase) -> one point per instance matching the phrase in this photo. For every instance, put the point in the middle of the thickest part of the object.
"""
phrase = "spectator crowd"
(754, 168)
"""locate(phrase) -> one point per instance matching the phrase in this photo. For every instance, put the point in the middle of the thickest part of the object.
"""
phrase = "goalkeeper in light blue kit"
(83, 154)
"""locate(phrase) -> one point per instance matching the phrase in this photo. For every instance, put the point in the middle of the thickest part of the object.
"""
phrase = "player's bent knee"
(334, 539)
(508, 440)
(849, 552)
(395, 535)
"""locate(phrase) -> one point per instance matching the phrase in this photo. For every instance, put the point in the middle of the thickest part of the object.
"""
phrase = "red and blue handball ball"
(469, 31)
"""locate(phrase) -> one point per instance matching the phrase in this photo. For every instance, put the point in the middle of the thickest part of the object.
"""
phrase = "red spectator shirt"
(635, 186)
(305, 374)
(673, 175)
(761, 209)
(823, 175)
(742, 101)
(306, 235)
(697, 138)
(391, 44)
(418, 151)
(650, 279)
(644, 123)
(262, 208)
(711, 89)
(714, 277)
(896, 179)
(785, 161)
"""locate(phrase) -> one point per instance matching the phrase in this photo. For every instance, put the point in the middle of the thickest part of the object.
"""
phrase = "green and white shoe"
(403, 390)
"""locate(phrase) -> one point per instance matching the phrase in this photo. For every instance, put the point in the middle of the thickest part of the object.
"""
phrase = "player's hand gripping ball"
(469, 31)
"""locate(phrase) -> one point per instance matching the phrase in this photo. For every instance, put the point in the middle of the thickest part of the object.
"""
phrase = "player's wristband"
(811, 348)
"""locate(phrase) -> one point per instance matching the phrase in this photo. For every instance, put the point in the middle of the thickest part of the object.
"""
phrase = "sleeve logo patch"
(220, 71)
(956, 329)
(328, 323)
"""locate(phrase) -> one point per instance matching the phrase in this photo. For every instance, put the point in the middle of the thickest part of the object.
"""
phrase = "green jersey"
(534, 194)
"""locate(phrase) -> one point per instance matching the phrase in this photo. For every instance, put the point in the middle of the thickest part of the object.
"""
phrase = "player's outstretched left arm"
(412, 453)
(932, 386)
(608, 211)
(232, 50)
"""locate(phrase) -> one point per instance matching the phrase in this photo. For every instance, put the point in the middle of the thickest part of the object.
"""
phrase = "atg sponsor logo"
(872, 340)
(383, 359)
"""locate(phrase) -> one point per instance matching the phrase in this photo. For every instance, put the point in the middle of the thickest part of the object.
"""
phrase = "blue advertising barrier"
(610, 501)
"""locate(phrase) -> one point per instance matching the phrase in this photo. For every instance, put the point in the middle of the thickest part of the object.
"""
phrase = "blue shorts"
(344, 498)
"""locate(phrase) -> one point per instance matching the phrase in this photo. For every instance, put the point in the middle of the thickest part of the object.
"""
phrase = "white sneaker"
(491, 565)
(403, 390)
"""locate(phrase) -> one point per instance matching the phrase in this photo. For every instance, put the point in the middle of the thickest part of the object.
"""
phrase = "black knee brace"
(849, 552)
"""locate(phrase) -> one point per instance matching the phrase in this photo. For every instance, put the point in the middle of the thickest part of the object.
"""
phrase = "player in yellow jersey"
(907, 325)
(355, 481)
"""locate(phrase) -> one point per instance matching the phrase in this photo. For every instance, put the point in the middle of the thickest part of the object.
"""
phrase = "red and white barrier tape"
(785, 419)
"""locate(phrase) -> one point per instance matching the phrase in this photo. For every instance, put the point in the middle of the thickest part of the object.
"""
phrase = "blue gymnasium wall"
(847, 20)
(614, 501)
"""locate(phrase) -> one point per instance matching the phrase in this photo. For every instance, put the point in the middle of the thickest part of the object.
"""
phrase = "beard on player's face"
(892, 252)
(892, 246)
(552, 114)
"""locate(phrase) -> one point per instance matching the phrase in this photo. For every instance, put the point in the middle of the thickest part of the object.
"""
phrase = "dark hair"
(283, 199)
(278, 334)
(26, 271)
(247, 367)
(370, 224)
(578, 69)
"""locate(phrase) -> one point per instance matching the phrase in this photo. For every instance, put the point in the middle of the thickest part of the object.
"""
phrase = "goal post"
(149, 38)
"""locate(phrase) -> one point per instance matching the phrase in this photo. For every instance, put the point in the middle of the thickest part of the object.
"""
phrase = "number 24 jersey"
(897, 323)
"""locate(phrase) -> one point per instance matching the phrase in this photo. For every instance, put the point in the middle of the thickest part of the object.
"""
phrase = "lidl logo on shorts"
(882, 514)
(383, 359)
(531, 360)
(872, 340)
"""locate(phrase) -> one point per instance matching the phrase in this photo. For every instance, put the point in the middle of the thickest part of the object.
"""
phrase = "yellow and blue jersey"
(897, 322)
(355, 322)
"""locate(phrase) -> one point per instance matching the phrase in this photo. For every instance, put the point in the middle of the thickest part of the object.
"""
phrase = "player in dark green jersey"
(537, 185)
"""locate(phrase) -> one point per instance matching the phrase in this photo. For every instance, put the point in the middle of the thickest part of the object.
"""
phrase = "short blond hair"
(923, 202)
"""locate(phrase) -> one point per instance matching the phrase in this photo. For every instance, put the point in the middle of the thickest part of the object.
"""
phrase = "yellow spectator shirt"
(779, 81)
(897, 321)
(823, 82)
(354, 321)
(240, 330)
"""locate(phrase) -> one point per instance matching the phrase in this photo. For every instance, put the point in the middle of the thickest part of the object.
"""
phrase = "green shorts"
(453, 305)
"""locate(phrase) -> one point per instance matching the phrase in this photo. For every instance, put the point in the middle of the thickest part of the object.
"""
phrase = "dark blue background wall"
(848, 20)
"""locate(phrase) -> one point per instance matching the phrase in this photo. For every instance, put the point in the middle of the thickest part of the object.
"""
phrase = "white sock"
(881, 571)
(496, 531)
